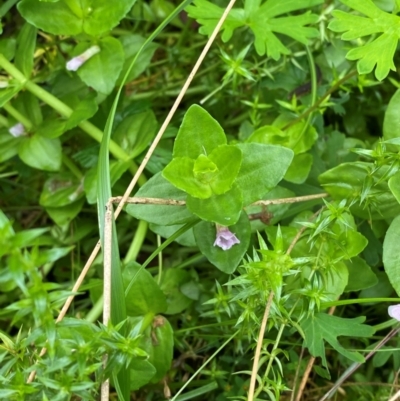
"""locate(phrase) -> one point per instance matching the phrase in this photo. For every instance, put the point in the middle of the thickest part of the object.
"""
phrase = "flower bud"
(17, 130)
(76, 62)
(394, 311)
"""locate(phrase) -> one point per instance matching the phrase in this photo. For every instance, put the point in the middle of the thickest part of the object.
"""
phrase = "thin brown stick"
(296, 376)
(320, 100)
(303, 382)
(258, 348)
(395, 397)
(107, 251)
(142, 166)
(136, 200)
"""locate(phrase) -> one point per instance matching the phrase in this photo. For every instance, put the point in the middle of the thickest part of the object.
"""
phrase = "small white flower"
(225, 239)
(17, 130)
(394, 311)
(3, 84)
(76, 62)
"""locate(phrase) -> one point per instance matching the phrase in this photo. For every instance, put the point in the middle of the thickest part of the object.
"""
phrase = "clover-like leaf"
(376, 21)
(262, 20)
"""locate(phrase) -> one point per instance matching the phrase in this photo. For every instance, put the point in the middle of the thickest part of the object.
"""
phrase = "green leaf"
(353, 181)
(131, 45)
(138, 300)
(51, 128)
(198, 134)
(7, 48)
(263, 166)
(361, 275)
(92, 17)
(261, 19)
(26, 43)
(391, 122)
(135, 132)
(102, 70)
(142, 372)
(394, 185)
(171, 283)
(391, 255)
(164, 215)
(158, 342)
(65, 214)
(224, 209)
(376, 21)
(61, 190)
(84, 110)
(323, 327)
(226, 261)
(8, 145)
(299, 168)
(41, 153)
(186, 239)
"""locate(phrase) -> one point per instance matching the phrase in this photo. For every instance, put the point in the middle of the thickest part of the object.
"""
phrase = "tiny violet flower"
(394, 311)
(225, 239)
(17, 130)
(76, 62)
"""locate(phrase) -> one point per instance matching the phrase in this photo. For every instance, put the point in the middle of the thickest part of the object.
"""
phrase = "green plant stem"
(18, 116)
(3, 121)
(95, 313)
(276, 343)
(325, 305)
(137, 242)
(66, 112)
(72, 167)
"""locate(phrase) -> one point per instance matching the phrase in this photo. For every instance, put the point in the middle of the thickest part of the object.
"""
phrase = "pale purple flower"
(394, 311)
(17, 130)
(225, 238)
(76, 62)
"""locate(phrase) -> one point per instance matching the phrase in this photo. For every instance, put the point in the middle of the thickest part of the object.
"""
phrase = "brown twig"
(258, 348)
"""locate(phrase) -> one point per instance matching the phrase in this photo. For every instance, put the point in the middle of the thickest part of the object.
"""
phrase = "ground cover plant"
(199, 200)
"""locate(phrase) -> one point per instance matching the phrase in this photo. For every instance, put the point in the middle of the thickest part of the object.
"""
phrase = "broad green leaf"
(158, 342)
(63, 215)
(135, 132)
(51, 128)
(394, 185)
(353, 181)
(7, 48)
(26, 238)
(226, 261)
(391, 122)
(102, 70)
(172, 280)
(92, 17)
(8, 145)
(299, 169)
(375, 21)
(323, 327)
(131, 45)
(391, 254)
(224, 209)
(84, 110)
(198, 134)
(180, 173)
(41, 153)
(61, 190)
(228, 159)
(262, 20)
(159, 187)
(263, 166)
(8, 93)
(26, 43)
(142, 372)
(361, 275)
(144, 296)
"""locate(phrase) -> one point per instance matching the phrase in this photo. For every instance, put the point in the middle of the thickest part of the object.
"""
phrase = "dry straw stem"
(105, 386)
(143, 165)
